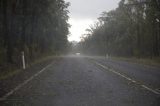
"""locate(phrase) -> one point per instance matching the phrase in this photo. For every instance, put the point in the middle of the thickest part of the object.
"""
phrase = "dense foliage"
(36, 27)
(132, 29)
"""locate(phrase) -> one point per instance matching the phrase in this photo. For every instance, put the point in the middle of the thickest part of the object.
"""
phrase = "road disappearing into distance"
(87, 81)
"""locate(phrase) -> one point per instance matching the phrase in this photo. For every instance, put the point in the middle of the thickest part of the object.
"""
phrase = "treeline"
(132, 29)
(37, 27)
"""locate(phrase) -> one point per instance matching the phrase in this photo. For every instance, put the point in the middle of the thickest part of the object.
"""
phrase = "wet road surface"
(79, 81)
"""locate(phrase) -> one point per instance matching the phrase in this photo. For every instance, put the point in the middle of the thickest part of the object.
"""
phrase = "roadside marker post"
(23, 61)
(107, 56)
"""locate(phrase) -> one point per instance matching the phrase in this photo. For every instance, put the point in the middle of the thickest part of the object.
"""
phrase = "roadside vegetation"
(143, 61)
(132, 30)
(36, 27)
(12, 71)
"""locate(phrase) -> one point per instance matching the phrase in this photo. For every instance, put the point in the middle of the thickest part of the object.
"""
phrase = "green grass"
(11, 71)
(8, 74)
(145, 61)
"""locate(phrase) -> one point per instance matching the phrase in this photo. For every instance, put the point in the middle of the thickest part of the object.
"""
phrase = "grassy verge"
(11, 71)
(145, 61)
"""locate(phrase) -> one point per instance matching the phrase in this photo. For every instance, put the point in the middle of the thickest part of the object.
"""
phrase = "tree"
(37, 27)
(129, 30)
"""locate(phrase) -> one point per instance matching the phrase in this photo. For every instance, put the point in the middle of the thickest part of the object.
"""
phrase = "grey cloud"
(90, 8)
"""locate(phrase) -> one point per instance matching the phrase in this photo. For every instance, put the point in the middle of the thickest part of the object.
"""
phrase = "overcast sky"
(85, 12)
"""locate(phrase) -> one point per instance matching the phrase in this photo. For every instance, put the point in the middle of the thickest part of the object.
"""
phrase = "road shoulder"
(13, 81)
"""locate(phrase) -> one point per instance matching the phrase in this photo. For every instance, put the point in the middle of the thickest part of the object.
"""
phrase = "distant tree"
(130, 30)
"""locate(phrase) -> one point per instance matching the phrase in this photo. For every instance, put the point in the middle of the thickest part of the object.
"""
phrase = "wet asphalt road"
(143, 74)
(78, 81)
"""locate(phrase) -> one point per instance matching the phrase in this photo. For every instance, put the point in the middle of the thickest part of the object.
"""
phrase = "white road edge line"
(127, 78)
(149, 89)
(24, 83)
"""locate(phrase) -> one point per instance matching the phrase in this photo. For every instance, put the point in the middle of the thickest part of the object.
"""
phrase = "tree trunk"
(6, 37)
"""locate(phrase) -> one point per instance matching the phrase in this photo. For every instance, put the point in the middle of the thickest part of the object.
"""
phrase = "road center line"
(24, 83)
(127, 78)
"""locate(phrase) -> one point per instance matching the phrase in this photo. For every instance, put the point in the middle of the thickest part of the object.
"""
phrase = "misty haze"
(79, 53)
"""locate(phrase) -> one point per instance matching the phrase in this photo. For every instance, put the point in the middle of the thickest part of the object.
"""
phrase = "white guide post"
(23, 61)
(107, 56)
